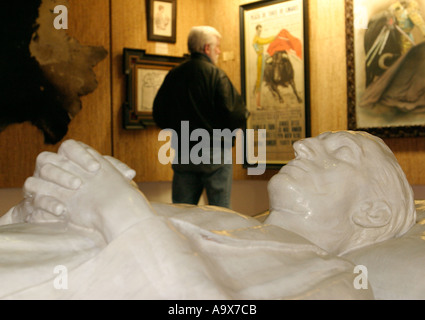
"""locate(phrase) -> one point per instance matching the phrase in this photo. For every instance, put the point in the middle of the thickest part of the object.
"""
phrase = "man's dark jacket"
(201, 93)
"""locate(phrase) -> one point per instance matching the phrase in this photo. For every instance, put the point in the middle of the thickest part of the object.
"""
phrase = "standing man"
(198, 94)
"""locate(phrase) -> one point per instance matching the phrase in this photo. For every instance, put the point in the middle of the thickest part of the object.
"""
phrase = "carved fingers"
(58, 176)
(80, 154)
(125, 170)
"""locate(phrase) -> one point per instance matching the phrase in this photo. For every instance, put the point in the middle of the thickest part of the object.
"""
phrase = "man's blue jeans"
(189, 181)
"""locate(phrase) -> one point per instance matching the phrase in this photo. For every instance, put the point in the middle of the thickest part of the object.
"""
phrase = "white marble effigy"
(342, 225)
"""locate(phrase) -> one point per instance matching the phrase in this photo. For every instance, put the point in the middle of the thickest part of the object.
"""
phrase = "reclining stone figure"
(343, 196)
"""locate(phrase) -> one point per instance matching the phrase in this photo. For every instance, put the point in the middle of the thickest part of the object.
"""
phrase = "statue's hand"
(57, 177)
(40, 203)
(82, 155)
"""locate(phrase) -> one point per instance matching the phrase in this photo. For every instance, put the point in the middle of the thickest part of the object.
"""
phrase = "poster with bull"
(273, 77)
(386, 67)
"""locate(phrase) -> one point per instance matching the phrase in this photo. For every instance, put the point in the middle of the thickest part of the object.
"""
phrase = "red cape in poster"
(285, 41)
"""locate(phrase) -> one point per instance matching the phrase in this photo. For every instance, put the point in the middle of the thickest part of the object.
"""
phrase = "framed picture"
(161, 19)
(386, 67)
(274, 76)
(144, 75)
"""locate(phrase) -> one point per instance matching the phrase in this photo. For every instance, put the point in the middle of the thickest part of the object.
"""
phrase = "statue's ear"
(372, 214)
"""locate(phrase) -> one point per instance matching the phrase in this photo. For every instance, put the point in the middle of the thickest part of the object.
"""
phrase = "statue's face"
(315, 194)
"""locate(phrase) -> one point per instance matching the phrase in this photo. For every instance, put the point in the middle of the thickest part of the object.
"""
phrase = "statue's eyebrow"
(346, 141)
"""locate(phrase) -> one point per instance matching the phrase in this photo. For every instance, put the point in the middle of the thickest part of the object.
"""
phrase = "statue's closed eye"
(345, 153)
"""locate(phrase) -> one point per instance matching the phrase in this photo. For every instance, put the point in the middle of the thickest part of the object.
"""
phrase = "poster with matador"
(274, 74)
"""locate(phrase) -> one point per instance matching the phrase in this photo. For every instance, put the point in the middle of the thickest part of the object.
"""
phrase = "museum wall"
(116, 24)
(88, 22)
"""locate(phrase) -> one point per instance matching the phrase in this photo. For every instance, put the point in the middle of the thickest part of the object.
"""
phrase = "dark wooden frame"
(244, 41)
(134, 60)
(151, 5)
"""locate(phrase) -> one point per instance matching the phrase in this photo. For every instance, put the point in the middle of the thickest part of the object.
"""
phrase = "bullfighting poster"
(386, 66)
(274, 85)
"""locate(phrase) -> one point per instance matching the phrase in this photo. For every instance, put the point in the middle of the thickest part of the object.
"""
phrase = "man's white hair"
(200, 36)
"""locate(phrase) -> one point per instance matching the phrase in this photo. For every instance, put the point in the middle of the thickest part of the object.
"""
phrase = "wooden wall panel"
(410, 153)
(328, 71)
(139, 148)
(89, 23)
(116, 24)
(21, 143)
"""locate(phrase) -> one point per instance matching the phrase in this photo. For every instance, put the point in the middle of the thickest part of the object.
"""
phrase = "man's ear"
(207, 49)
(372, 214)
